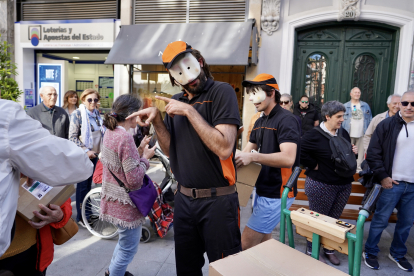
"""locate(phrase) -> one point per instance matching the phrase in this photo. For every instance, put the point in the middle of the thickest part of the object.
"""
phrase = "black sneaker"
(402, 263)
(370, 260)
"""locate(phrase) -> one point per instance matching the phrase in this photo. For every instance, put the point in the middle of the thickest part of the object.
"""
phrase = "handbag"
(143, 198)
(62, 235)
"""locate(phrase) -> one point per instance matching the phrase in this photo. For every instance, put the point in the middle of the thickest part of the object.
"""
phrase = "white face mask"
(257, 96)
(186, 69)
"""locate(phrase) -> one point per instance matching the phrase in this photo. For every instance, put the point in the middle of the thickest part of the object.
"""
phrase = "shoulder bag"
(143, 198)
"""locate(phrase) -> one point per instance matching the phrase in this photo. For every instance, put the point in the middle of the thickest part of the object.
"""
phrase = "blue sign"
(50, 75)
(29, 98)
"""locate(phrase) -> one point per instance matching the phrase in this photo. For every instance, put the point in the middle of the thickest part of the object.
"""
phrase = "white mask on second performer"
(186, 69)
(257, 96)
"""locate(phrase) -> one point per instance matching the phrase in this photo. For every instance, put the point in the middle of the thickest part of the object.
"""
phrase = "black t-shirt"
(194, 165)
(280, 126)
(315, 150)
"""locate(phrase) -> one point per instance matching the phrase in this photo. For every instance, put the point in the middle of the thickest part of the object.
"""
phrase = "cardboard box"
(29, 203)
(246, 180)
(271, 258)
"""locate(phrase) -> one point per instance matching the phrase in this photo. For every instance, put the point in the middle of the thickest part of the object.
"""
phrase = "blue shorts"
(266, 213)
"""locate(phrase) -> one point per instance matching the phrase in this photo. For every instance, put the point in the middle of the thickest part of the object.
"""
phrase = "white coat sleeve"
(44, 157)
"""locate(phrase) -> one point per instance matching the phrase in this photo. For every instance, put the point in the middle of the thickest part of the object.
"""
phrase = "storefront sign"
(42, 34)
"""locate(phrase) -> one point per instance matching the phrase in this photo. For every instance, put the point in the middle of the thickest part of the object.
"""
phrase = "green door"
(333, 58)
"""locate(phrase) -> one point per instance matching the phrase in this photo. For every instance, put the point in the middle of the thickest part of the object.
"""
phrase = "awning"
(221, 43)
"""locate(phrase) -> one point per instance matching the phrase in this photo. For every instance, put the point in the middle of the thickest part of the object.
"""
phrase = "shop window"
(152, 80)
(315, 80)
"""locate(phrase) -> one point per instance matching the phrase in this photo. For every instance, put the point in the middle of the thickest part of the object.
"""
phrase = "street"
(88, 255)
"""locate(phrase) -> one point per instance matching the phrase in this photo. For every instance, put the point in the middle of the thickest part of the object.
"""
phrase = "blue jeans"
(125, 250)
(401, 197)
(82, 189)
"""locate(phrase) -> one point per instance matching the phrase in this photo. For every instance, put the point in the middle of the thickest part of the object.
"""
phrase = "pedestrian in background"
(121, 157)
(286, 102)
(356, 120)
(391, 157)
(307, 113)
(393, 103)
(86, 132)
(52, 117)
(70, 101)
(327, 191)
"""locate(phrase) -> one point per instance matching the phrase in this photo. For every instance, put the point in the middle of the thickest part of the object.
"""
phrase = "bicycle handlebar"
(293, 177)
(372, 199)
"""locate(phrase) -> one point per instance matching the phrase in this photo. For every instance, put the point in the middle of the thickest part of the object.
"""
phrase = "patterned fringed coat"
(120, 155)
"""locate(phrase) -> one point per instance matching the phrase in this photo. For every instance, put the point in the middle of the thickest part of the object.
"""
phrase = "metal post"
(316, 246)
(290, 231)
(359, 239)
(351, 257)
(283, 216)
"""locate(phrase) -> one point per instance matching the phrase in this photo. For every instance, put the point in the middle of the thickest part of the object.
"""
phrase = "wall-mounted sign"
(50, 75)
(92, 33)
(29, 98)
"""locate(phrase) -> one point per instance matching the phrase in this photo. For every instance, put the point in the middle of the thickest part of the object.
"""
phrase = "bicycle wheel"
(145, 235)
(99, 228)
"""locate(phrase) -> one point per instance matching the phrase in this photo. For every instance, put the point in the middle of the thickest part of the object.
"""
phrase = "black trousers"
(209, 225)
(22, 264)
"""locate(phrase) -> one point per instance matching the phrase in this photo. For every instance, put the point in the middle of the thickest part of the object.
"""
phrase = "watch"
(86, 151)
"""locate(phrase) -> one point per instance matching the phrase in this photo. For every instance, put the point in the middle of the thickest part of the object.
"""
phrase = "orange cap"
(173, 50)
(263, 79)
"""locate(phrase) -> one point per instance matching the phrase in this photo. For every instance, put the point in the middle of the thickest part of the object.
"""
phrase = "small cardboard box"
(271, 258)
(28, 203)
(246, 180)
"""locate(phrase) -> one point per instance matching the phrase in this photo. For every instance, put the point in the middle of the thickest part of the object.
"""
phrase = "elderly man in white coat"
(26, 147)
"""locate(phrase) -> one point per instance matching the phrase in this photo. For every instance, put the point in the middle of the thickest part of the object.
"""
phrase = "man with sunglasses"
(391, 156)
(52, 117)
(357, 118)
(307, 113)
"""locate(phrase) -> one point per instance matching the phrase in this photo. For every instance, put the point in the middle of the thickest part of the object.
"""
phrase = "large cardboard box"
(246, 180)
(271, 258)
(29, 203)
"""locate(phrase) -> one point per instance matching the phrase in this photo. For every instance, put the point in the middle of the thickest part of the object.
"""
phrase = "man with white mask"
(199, 137)
(275, 144)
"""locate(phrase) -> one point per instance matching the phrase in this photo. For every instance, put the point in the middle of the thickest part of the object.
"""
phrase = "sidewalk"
(88, 255)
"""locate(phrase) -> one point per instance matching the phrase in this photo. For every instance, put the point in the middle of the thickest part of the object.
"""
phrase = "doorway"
(332, 58)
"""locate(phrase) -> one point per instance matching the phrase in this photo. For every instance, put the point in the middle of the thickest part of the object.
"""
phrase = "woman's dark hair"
(69, 94)
(304, 96)
(206, 67)
(331, 108)
(266, 88)
(122, 107)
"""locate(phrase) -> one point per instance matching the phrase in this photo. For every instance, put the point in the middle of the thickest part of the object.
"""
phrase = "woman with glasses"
(86, 131)
(307, 113)
(286, 102)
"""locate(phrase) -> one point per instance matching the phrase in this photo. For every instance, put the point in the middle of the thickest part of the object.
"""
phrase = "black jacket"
(315, 150)
(57, 122)
(308, 120)
(381, 149)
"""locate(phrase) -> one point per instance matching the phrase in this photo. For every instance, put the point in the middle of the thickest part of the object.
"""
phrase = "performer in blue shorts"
(275, 144)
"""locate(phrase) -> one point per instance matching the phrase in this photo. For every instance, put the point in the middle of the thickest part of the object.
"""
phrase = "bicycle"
(107, 230)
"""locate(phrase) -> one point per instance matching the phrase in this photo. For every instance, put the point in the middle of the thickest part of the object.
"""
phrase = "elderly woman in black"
(327, 192)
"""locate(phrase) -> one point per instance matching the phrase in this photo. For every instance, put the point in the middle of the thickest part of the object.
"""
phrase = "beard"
(195, 90)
